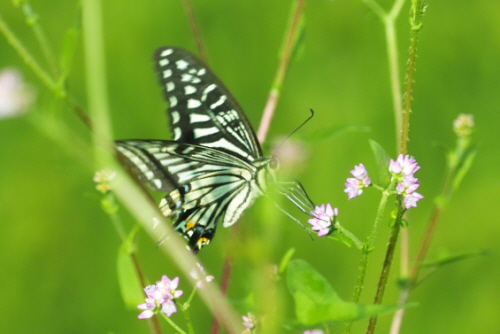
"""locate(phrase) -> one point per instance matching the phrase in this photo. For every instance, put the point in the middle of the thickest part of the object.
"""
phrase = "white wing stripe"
(203, 132)
(197, 118)
(223, 142)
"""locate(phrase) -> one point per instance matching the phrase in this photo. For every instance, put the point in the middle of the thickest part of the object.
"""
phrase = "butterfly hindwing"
(201, 110)
(204, 185)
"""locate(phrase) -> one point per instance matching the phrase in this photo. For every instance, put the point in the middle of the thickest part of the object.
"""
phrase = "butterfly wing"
(204, 185)
(202, 111)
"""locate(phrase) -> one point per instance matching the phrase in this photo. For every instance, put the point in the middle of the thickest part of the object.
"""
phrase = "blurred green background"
(58, 249)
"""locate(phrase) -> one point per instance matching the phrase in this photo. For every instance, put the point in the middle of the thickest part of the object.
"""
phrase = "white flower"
(15, 95)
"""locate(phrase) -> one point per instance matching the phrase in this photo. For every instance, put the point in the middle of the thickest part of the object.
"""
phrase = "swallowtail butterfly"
(213, 169)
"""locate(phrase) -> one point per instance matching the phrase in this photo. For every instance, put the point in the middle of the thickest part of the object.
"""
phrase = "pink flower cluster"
(160, 297)
(250, 323)
(403, 170)
(354, 185)
(323, 219)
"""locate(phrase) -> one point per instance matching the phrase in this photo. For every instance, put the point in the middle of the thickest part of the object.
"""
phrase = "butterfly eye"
(274, 164)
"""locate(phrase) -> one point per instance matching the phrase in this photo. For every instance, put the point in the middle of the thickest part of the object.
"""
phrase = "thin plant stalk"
(365, 252)
(415, 24)
(388, 18)
(29, 60)
(32, 21)
(274, 94)
(173, 324)
(386, 268)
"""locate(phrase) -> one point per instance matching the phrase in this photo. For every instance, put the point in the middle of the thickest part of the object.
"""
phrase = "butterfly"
(213, 169)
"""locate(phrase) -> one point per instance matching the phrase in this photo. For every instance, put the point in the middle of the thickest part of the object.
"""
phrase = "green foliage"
(463, 167)
(317, 302)
(285, 260)
(382, 159)
(68, 53)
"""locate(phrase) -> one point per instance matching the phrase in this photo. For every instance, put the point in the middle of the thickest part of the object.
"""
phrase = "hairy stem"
(417, 11)
(386, 268)
(366, 250)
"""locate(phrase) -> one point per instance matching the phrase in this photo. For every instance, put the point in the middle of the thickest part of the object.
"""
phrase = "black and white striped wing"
(202, 111)
(204, 185)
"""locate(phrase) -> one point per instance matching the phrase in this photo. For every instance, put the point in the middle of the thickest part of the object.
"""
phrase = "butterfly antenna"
(297, 129)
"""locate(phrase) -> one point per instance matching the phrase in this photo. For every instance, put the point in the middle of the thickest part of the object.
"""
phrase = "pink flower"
(160, 298)
(314, 331)
(404, 165)
(168, 307)
(323, 218)
(354, 186)
(403, 170)
(170, 286)
(410, 200)
(249, 321)
(359, 171)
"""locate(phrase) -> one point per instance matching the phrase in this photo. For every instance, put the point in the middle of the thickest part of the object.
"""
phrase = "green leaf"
(317, 302)
(446, 258)
(285, 260)
(464, 167)
(128, 278)
(334, 131)
(68, 52)
(382, 159)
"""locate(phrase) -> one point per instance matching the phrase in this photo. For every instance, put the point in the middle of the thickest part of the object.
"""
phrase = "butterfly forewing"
(201, 109)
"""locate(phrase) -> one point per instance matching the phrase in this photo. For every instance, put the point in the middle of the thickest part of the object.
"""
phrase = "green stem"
(416, 25)
(347, 233)
(29, 60)
(392, 55)
(108, 204)
(187, 318)
(193, 293)
(389, 19)
(386, 268)
(32, 21)
(93, 41)
(366, 249)
(173, 324)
